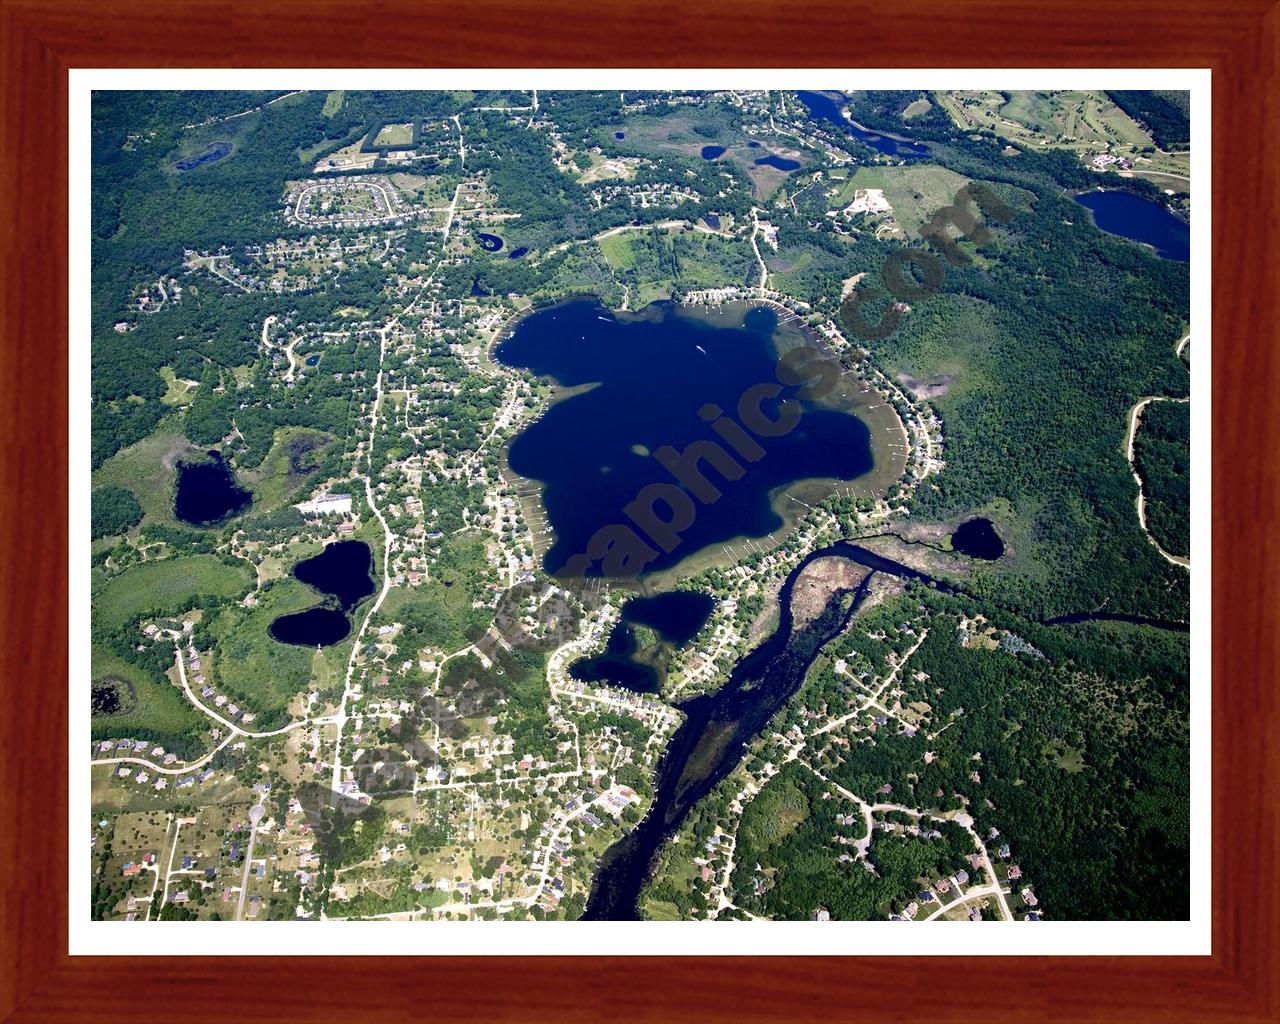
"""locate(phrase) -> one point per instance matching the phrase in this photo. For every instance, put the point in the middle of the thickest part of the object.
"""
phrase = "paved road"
(255, 815)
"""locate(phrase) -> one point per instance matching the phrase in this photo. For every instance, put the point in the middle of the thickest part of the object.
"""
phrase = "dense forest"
(1162, 457)
(1168, 121)
(1045, 335)
(1067, 744)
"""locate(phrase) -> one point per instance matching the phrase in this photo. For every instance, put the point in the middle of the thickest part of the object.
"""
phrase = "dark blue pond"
(660, 376)
(316, 627)
(215, 152)
(712, 221)
(781, 163)
(753, 144)
(517, 253)
(977, 538)
(712, 152)
(619, 664)
(489, 243)
(341, 570)
(824, 108)
(207, 492)
(313, 360)
(676, 617)
(1140, 220)
(619, 135)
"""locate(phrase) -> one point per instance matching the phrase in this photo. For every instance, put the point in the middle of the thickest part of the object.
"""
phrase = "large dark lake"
(1140, 220)
(647, 381)
(207, 491)
(341, 570)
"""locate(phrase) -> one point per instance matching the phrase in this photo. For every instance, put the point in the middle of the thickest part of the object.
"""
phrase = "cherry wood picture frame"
(41, 39)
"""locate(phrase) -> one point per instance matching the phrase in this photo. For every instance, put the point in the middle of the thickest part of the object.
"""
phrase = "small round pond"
(779, 162)
(977, 538)
(207, 491)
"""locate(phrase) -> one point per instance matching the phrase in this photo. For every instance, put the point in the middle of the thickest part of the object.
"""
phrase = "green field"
(660, 910)
(252, 667)
(1085, 122)
(159, 708)
(177, 392)
(1077, 120)
(170, 586)
(915, 192)
(280, 478)
(147, 469)
(333, 102)
(395, 135)
(617, 251)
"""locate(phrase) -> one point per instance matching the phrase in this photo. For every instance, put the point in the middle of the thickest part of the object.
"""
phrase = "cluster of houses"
(1109, 162)
(661, 196)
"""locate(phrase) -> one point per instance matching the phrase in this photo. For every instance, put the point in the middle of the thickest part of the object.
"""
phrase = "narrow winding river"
(720, 725)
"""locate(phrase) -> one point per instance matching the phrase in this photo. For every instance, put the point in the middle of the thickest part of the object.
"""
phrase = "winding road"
(1135, 417)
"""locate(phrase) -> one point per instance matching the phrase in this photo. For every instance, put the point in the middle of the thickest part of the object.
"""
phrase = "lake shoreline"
(788, 502)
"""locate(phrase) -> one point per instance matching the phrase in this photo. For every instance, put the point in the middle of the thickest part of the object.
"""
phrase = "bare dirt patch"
(927, 387)
(850, 283)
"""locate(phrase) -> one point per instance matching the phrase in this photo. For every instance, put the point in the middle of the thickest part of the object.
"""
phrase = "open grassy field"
(280, 478)
(310, 154)
(1174, 182)
(177, 392)
(1087, 122)
(427, 191)
(157, 705)
(617, 251)
(917, 107)
(252, 667)
(916, 192)
(170, 586)
(333, 102)
(1071, 119)
(660, 910)
(147, 469)
(395, 135)
(686, 130)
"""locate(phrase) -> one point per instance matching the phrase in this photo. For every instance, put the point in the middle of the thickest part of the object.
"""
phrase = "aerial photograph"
(717, 505)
